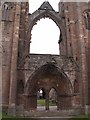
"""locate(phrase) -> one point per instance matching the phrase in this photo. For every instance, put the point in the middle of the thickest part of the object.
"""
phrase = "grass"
(7, 117)
(81, 117)
(41, 102)
(4, 115)
(52, 103)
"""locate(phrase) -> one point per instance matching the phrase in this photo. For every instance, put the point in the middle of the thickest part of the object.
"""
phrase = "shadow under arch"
(49, 76)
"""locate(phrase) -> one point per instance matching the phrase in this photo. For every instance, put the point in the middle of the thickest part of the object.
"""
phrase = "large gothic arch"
(49, 76)
(45, 71)
(46, 11)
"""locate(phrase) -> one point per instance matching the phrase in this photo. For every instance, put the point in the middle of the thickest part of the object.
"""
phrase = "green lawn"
(4, 115)
(7, 117)
(52, 103)
(81, 117)
(41, 102)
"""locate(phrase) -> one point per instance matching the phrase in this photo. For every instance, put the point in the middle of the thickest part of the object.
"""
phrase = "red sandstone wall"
(77, 42)
(11, 34)
(14, 43)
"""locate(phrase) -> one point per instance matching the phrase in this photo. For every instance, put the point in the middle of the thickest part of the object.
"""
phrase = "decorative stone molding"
(86, 15)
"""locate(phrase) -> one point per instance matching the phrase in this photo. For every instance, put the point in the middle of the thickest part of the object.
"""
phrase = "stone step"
(38, 118)
(62, 114)
(50, 118)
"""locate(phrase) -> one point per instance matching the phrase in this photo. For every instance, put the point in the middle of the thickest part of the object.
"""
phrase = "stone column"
(58, 106)
(1, 51)
(89, 74)
(13, 74)
(47, 101)
(23, 38)
(83, 62)
(65, 102)
(88, 71)
(67, 17)
(88, 65)
(7, 36)
(72, 27)
(30, 102)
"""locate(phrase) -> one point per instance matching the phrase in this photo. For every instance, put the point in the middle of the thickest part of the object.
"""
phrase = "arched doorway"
(49, 76)
(53, 99)
(41, 99)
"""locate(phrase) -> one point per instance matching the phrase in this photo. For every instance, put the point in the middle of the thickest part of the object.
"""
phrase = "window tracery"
(87, 19)
(6, 7)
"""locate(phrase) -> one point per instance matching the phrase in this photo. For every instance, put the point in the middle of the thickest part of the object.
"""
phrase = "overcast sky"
(35, 4)
(45, 34)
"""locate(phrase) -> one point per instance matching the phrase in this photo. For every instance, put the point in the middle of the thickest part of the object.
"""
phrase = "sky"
(45, 34)
(35, 4)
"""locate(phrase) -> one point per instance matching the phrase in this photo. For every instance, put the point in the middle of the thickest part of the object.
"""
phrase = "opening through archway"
(53, 99)
(41, 99)
(49, 79)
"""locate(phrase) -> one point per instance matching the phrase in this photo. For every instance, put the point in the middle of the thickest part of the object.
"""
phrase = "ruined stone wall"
(7, 40)
(88, 64)
(11, 31)
(23, 28)
(77, 43)
(34, 61)
(15, 27)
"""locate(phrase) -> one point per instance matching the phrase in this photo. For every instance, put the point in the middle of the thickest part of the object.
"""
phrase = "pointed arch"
(53, 94)
(51, 76)
(42, 36)
(46, 13)
(86, 15)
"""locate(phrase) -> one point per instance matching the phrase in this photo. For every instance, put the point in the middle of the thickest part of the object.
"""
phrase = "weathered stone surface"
(23, 73)
(34, 61)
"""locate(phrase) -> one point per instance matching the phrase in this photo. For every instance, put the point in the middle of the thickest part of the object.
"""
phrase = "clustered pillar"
(13, 74)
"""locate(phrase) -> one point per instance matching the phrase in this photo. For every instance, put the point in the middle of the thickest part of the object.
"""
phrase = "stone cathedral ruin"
(23, 73)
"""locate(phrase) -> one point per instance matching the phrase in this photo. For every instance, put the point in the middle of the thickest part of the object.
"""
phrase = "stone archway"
(53, 99)
(48, 76)
(45, 11)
